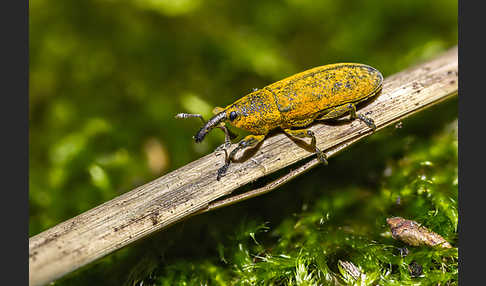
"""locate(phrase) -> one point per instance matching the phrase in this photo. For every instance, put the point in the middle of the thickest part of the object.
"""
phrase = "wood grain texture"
(191, 188)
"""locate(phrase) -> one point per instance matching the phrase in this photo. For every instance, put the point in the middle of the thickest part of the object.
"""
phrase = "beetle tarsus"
(222, 170)
(368, 121)
(321, 156)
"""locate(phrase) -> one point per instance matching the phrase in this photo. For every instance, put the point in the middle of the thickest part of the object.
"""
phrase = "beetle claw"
(321, 156)
(368, 121)
(222, 171)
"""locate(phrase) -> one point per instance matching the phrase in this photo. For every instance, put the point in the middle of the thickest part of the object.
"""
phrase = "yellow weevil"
(321, 93)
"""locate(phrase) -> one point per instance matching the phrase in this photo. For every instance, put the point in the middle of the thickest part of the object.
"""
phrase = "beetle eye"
(233, 115)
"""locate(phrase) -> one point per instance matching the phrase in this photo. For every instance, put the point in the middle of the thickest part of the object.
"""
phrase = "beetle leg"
(303, 133)
(228, 135)
(351, 108)
(352, 111)
(338, 111)
(368, 121)
(249, 141)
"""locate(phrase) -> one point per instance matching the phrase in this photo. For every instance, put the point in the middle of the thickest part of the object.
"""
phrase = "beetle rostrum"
(213, 122)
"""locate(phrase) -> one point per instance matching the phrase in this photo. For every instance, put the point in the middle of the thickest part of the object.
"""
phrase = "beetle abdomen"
(305, 94)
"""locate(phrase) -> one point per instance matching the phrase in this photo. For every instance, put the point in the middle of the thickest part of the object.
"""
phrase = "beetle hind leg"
(303, 133)
(368, 121)
(351, 108)
(249, 141)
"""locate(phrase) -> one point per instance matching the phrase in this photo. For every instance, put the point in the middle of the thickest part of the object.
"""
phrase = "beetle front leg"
(228, 135)
(249, 141)
(303, 133)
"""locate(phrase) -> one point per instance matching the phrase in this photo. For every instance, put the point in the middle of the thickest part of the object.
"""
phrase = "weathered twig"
(193, 187)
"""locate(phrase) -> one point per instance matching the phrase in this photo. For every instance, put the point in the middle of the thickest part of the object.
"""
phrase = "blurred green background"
(107, 78)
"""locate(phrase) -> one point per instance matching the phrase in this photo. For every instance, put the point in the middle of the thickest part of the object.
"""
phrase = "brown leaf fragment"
(412, 233)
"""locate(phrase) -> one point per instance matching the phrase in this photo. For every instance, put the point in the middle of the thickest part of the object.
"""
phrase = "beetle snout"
(200, 135)
(213, 122)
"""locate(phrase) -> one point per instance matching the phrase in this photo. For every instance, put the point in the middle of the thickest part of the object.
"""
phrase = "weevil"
(293, 103)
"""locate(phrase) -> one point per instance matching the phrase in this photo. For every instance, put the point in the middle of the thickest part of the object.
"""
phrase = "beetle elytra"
(321, 93)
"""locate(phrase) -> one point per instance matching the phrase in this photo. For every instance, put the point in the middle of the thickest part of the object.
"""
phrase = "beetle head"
(251, 113)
